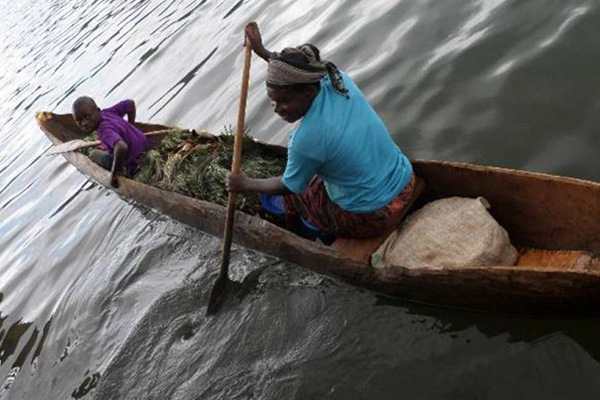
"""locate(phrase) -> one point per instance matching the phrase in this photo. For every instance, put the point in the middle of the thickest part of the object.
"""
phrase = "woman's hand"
(253, 35)
(255, 39)
(236, 182)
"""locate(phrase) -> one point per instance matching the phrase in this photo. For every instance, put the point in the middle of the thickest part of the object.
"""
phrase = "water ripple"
(98, 296)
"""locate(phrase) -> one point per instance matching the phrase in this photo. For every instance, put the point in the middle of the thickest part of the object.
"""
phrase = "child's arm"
(131, 112)
(119, 156)
(255, 39)
(122, 108)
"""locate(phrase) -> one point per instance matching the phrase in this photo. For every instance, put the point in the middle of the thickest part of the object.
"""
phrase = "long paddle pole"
(221, 282)
(77, 144)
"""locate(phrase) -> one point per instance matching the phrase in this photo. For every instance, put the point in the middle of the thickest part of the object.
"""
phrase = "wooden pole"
(221, 282)
(77, 144)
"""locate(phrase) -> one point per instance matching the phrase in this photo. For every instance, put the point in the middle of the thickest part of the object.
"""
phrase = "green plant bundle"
(92, 137)
(196, 165)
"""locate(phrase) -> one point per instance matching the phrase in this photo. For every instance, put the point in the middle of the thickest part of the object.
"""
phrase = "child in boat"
(122, 142)
(344, 175)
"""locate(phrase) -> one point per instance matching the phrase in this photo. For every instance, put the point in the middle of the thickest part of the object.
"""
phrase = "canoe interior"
(538, 210)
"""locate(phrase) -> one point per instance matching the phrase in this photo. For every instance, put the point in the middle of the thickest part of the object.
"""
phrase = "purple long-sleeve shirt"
(113, 128)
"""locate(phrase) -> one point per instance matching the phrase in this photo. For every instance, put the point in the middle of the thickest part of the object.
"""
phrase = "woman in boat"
(344, 174)
(122, 142)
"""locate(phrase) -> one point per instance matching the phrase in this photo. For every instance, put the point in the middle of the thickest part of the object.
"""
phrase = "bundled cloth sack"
(454, 232)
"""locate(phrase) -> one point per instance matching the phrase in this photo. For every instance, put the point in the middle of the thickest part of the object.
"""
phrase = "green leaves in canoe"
(196, 165)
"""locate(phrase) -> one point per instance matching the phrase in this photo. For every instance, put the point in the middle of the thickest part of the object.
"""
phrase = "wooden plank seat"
(360, 250)
(564, 259)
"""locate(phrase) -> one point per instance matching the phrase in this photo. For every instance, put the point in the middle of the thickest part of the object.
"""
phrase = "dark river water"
(101, 299)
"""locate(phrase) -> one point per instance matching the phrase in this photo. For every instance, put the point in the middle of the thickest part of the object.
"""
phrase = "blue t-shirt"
(344, 141)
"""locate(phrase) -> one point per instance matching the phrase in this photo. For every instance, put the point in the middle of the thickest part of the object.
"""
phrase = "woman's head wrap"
(300, 66)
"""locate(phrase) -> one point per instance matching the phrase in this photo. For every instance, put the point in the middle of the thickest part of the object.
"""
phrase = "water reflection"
(501, 82)
(181, 84)
(89, 383)
(11, 337)
(517, 329)
(233, 9)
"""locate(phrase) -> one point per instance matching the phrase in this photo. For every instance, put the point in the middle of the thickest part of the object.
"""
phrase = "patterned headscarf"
(302, 65)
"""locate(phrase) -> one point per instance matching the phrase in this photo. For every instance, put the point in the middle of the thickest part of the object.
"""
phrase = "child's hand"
(114, 181)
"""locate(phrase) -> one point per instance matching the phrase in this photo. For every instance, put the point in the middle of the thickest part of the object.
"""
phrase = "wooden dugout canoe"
(539, 211)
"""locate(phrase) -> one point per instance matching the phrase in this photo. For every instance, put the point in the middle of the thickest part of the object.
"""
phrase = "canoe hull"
(520, 290)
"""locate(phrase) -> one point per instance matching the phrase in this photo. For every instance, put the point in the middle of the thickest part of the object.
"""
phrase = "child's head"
(86, 114)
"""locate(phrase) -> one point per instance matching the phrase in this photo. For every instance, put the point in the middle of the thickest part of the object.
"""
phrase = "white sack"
(448, 233)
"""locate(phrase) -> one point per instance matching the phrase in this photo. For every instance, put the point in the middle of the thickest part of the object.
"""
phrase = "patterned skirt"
(315, 207)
